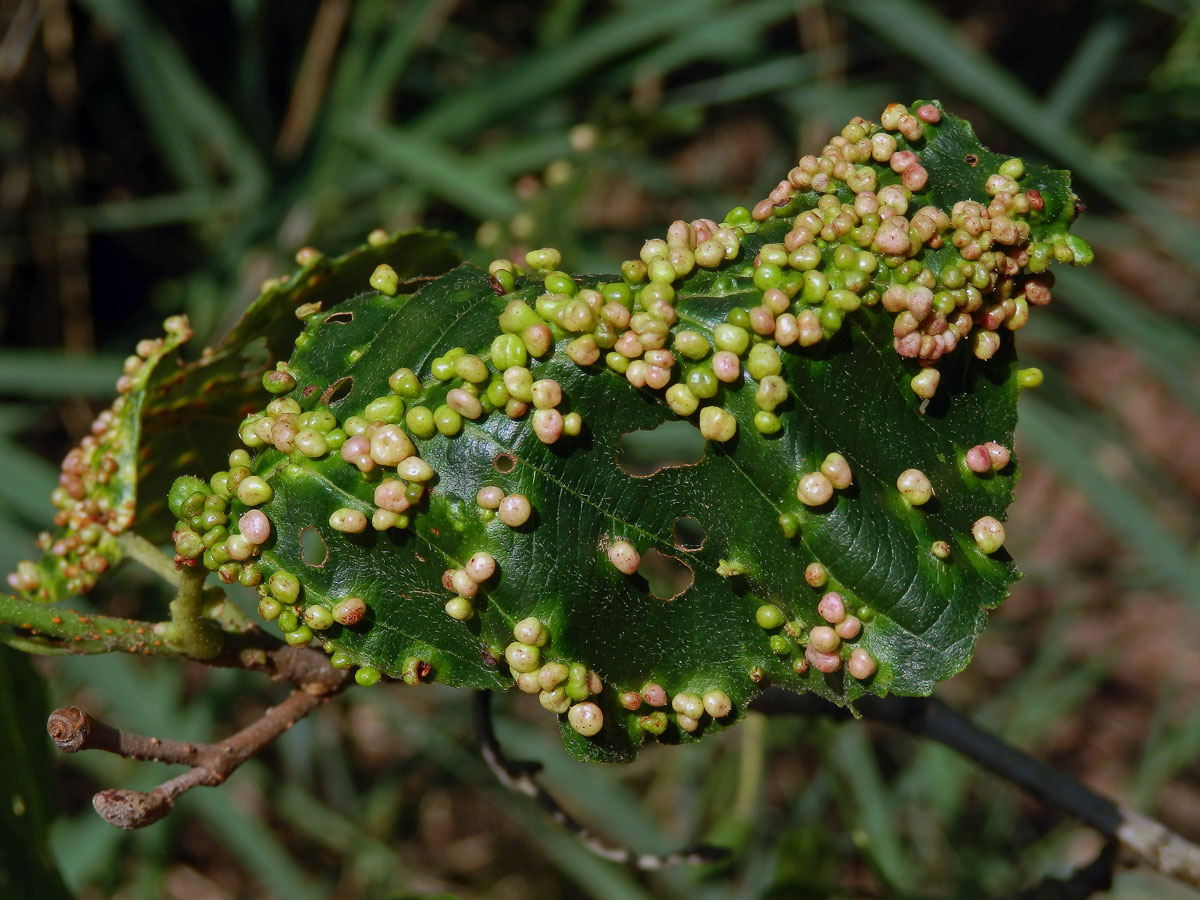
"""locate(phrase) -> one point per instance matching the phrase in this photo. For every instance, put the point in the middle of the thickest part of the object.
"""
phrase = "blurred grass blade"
(549, 70)
(1088, 68)
(415, 28)
(189, 123)
(868, 803)
(145, 212)
(27, 793)
(1168, 751)
(930, 41)
(729, 35)
(1166, 347)
(438, 169)
(251, 840)
(43, 374)
(1065, 443)
(782, 73)
(27, 483)
(595, 877)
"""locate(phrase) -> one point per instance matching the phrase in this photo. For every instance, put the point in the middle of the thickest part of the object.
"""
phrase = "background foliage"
(160, 158)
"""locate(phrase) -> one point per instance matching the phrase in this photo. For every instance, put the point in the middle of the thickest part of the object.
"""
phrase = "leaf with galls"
(436, 489)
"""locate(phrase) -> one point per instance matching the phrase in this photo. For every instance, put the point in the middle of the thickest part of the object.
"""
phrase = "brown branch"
(210, 764)
(1152, 842)
(517, 776)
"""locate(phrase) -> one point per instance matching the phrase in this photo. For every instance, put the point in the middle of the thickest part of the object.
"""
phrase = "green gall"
(763, 362)
(914, 487)
(277, 382)
(522, 657)
(560, 283)
(688, 704)
(188, 544)
(415, 671)
(837, 470)
(924, 383)
(732, 338)
(824, 639)
(385, 280)
(254, 491)
(988, 533)
(654, 723)
(471, 368)
(367, 676)
(681, 400)
(269, 608)
(1029, 378)
(405, 383)
(341, 660)
(285, 587)
(318, 618)
(717, 703)
(349, 611)
(388, 409)
(531, 631)
(551, 675)
(781, 644)
(555, 701)
(769, 616)
(789, 523)
(348, 521)
(301, 637)
(447, 420)
(287, 620)
(547, 259)
(716, 424)
(460, 608)
(814, 489)
(420, 422)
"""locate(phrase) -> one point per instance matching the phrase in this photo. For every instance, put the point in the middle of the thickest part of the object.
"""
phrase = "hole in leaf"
(504, 463)
(339, 390)
(667, 576)
(676, 443)
(308, 391)
(971, 160)
(340, 318)
(689, 534)
(312, 547)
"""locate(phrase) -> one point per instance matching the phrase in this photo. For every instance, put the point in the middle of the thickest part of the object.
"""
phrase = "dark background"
(168, 157)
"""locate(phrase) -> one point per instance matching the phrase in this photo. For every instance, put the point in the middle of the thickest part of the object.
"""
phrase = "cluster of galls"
(202, 532)
(689, 707)
(496, 379)
(826, 645)
(565, 687)
(94, 504)
(281, 602)
(864, 250)
(916, 488)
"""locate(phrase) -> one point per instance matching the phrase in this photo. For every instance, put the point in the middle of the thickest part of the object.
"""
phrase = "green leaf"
(191, 402)
(163, 421)
(26, 784)
(746, 612)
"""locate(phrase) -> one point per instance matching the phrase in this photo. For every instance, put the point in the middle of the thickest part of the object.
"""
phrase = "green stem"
(40, 628)
(142, 551)
(191, 630)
